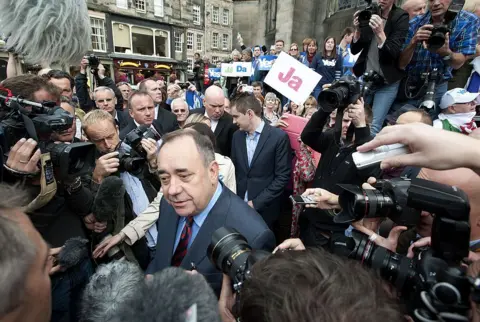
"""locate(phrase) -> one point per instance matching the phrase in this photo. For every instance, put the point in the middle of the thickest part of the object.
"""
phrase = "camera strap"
(48, 185)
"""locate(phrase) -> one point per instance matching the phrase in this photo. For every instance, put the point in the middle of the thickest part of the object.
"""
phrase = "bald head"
(214, 102)
(469, 182)
(417, 116)
(414, 7)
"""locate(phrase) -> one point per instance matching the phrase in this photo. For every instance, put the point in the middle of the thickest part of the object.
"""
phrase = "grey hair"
(179, 101)
(109, 289)
(169, 295)
(18, 251)
(47, 31)
(103, 89)
(203, 143)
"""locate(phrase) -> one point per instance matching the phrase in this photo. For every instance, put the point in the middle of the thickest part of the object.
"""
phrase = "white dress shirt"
(213, 122)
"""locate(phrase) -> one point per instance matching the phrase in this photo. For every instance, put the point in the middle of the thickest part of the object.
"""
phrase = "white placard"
(292, 79)
(237, 70)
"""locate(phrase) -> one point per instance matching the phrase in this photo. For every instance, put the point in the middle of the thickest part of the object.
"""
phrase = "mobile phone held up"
(302, 200)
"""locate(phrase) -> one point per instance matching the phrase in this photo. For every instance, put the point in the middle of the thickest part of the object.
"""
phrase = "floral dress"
(303, 173)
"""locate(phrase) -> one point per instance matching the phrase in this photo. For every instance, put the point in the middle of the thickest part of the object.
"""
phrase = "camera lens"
(132, 165)
(333, 98)
(229, 251)
(436, 41)
(74, 159)
(364, 17)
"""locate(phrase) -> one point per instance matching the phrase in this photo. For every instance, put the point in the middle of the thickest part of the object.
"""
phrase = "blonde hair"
(96, 116)
(311, 100)
(196, 118)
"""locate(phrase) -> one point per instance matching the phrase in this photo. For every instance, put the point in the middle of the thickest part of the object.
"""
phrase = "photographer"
(423, 51)
(336, 166)
(379, 36)
(100, 128)
(56, 213)
(82, 88)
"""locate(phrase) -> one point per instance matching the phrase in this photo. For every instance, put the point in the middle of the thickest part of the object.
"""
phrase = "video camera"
(365, 15)
(133, 160)
(26, 119)
(432, 284)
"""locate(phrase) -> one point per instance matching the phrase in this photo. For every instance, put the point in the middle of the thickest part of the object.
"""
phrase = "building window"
(196, 15)
(226, 16)
(123, 4)
(225, 45)
(99, 42)
(215, 60)
(190, 40)
(140, 5)
(178, 42)
(215, 14)
(199, 42)
(140, 40)
(190, 64)
(215, 40)
(158, 8)
(271, 15)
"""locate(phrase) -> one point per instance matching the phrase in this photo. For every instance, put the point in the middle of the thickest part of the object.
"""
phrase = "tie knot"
(189, 221)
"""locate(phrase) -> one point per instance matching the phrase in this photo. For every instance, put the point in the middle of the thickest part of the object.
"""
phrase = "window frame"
(199, 9)
(104, 34)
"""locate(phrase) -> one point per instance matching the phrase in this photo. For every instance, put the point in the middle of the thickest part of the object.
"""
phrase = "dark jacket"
(83, 94)
(229, 211)
(223, 132)
(199, 70)
(335, 166)
(268, 174)
(396, 30)
(167, 120)
(130, 126)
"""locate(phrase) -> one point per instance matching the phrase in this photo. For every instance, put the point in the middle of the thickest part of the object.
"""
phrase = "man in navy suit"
(195, 204)
(262, 158)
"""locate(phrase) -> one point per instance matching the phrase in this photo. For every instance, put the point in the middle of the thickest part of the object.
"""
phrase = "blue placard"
(266, 62)
(214, 73)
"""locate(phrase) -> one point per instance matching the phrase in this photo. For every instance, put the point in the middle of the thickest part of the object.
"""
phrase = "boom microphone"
(109, 202)
(73, 252)
(46, 31)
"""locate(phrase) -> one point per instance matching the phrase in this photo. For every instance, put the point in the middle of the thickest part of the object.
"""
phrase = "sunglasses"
(108, 100)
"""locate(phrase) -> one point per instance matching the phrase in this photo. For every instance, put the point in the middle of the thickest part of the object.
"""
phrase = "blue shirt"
(252, 142)
(463, 39)
(198, 219)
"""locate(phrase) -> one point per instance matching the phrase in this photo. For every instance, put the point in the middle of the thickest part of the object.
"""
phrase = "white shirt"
(213, 122)
(156, 111)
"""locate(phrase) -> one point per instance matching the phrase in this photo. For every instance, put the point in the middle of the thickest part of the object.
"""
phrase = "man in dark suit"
(262, 169)
(221, 123)
(167, 119)
(105, 99)
(142, 111)
(380, 42)
(195, 204)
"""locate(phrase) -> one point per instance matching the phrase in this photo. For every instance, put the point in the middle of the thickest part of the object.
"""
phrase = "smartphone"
(302, 200)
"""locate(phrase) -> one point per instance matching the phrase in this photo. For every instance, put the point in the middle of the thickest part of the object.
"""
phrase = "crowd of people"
(131, 238)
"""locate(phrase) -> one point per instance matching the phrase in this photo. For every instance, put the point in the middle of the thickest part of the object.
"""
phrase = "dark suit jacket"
(223, 132)
(166, 119)
(269, 171)
(130, 126)
(396, 30)
(122, 119)
(229, 211)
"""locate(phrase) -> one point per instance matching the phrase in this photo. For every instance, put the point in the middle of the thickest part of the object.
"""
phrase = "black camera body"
(93, 61)
(365, 15)
(135, 137)
(347, 90)
(131, 163)
(438, 36)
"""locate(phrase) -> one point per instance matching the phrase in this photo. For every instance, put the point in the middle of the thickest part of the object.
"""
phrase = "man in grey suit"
(195, 205)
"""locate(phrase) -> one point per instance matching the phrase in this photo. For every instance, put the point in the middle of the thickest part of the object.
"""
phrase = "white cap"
(457, 96)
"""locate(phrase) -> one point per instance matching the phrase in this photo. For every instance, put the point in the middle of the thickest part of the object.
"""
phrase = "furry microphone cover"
(46, 31)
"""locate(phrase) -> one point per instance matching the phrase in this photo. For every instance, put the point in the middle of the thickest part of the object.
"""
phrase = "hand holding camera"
(105, 166)
(22, 159)
(150, 147)
(83, 65)
(377, 25)
(323, 198)
(356, 112)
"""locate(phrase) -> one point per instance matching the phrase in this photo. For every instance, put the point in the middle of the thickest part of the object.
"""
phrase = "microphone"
(73, 252)
(173, 295)
(108, 206)
(46, 31)
(109, 201)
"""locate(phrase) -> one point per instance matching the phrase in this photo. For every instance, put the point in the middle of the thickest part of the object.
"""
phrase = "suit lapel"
(221, 124)
(214, 220)
(167, 232)
(261, 142)
(243, 149)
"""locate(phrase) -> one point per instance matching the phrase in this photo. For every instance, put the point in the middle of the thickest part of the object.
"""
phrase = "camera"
(347, 90)
(93, 61)
(135, 137)
(428, 103)
(230, 253)
(26, 119)
(365, 15)
(437, 38)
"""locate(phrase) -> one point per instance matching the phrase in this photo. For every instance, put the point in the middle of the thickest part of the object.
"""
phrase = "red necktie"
(182, 246)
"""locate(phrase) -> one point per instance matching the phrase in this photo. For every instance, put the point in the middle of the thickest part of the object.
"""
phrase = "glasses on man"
(179, 111)
(108, 100)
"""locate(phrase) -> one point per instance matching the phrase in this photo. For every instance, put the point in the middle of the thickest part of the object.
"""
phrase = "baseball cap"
(457, 96)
